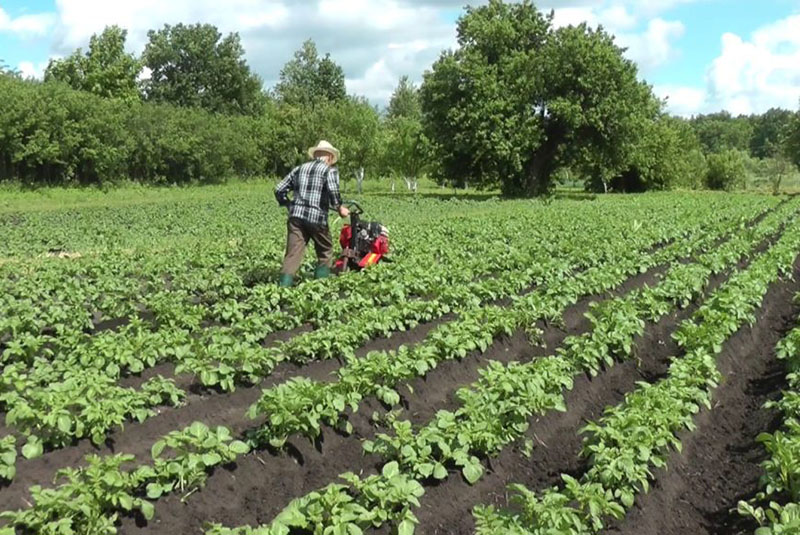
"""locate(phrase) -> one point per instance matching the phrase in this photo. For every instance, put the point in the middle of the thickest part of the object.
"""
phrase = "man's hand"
(344, 212)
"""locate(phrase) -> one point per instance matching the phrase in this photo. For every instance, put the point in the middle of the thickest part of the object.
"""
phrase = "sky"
(700, 55)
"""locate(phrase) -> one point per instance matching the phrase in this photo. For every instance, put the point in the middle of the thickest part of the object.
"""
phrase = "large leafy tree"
(308, 79)
(105, 69)
(195, 66)
(520, 99)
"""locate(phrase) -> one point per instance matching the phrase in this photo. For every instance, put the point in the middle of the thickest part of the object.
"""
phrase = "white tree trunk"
(360, 180)
(411, 184)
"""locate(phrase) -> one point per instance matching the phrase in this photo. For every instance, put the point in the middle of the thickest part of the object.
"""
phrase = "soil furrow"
(555, 436)
(263, 484)
(719, 464)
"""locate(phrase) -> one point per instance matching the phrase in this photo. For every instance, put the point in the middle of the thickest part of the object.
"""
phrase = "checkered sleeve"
(334, 198)
(284, 187)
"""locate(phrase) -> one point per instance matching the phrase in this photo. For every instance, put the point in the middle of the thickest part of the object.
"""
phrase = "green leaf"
(440, 472)
(148, 511)
(33, 448)
(390, 470)
(238, 447)
(157, 448)
(154, 491)
(472, 472)
(406, 527)
(64, 423)
(126, 502)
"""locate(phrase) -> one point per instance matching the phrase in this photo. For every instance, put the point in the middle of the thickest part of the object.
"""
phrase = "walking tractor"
(363, 243)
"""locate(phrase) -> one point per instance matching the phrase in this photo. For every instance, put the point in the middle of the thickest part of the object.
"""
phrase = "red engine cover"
(344, 236)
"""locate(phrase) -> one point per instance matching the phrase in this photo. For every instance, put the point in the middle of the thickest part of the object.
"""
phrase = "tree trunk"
(393, 184)
(360, 180)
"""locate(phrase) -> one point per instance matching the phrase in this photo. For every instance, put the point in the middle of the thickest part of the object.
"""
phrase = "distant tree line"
(520, 106)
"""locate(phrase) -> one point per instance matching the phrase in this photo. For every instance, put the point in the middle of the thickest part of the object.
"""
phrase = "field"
(610, 364)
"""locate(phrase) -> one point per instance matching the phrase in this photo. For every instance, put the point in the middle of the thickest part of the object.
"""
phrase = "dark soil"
(263, 484)
(214, 409)
(720, 461)
(556, 438)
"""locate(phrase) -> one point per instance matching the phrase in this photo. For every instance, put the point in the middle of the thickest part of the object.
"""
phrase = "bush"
(726, 170)
(51, 134)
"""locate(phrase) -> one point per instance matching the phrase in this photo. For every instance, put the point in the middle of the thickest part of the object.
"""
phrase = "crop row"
(496, 410)
(54, 404)
(637, 436)
(777, 507)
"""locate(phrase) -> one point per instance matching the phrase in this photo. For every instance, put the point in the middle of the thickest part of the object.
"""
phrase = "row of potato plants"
(89, 500)
(776, 508)
(54, 405)
(637, 436)
(302, 405)
(496, 410)
(409, 523)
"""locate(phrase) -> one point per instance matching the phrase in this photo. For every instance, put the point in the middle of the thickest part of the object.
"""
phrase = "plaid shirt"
(316, 190)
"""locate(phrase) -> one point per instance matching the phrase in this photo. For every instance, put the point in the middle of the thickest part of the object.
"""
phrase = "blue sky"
(705, 55)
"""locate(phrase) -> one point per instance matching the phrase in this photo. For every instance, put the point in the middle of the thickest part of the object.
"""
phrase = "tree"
(406, 149)
(667, 155)
(353, 126)
(405, 101)
(519, 99)
(769, 131)
(307, 80)
(720, 131)
(194, 66)
(105, 70)
(726, 170)
(791, 144)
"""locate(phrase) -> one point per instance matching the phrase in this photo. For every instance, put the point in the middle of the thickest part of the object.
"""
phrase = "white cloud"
(30, 70)
(26, 25)
(750, 75)
(377, 41)
(654, 47)
(684, 101)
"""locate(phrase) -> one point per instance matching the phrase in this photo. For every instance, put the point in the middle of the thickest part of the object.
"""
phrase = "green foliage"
(105, 70)
(351, 508)
(81, 503)
(726, 170)
(405, 101)
(720, 132)
(519, 100)
(769, 132)
(308, 80)
(50, 134)
(191, 453)
(8, 457)
(194, 66)
(667, 155)
(792, 141)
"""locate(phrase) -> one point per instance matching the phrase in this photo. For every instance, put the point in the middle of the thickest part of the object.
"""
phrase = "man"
(315, 188)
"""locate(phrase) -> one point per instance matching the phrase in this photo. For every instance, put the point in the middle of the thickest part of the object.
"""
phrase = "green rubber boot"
(285, 281)
(322, 272)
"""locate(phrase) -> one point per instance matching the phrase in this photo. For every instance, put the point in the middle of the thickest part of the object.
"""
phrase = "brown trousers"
(298, 234)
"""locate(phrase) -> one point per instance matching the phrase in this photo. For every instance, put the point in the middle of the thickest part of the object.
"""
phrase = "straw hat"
(324, 146)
